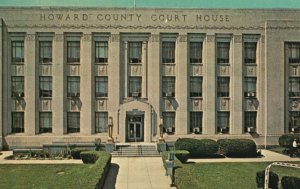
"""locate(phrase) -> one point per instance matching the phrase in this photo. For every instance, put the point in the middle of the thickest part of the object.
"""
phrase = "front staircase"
(135, 150)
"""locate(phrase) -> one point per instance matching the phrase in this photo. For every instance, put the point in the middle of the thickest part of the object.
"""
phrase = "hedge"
(290, 182)
(286, 140)
(237, 147)
(273, 179)
(75, 153)
(90, 157)
(182, 155)
(197, 148)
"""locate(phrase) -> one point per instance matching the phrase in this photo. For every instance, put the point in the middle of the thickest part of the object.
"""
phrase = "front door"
(135, 129)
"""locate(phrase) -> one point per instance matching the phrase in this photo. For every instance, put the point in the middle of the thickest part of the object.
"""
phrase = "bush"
(197, 148)
(75, 153)
(237, 147)
(273, 179)
(89, 157)
(290, 182)
(286, 140)
(182, 155)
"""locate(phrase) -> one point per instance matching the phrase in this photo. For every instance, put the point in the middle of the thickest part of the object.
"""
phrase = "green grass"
(52, 175)
(225, 175)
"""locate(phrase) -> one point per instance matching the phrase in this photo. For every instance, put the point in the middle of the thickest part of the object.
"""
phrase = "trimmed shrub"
(286, 140)
(197, 148)
(75, 153)
(237, 147)
(273, 179)
(89, 157)
(182, 155)
(290, 182)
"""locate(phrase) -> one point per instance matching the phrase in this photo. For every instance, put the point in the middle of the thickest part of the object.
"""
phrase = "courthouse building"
(66, 73)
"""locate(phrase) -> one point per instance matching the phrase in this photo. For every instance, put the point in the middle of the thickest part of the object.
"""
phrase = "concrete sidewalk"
(137, 173)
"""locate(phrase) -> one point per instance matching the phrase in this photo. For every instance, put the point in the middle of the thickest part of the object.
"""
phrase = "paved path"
(137, 173)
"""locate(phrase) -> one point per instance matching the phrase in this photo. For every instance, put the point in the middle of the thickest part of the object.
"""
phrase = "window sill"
(46, 63)
(17, 63)
(169, 64)
(196, 64)
(250, 64)
(101, 63)
(225, 98)
(196, 98)
(73, 63)
(46, 98)
(224, 64)
(101, 98)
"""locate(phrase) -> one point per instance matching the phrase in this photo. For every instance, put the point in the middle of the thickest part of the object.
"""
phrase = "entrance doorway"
(135, 128)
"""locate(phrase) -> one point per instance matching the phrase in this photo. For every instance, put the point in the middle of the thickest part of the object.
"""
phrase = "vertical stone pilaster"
(126, 66)
(145, 70)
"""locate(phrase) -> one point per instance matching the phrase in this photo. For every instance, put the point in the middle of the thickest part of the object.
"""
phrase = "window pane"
(250, 52)
(135, 52)
(17, 86)
(169, 121)
(294, 122)
(101, 84)
(168, 86)
(223, 122)
(17, 51)
(223, 86)
(294, 87)
(17, 122)
(101, 52)
(168, 52)
(250, 87)
(73, 86)
(223, 52)
(45, 86)
(195, 52)
(250, 120)
(135, 86)
(73, 51)
(73, 122)
(294, 53)
(195, 86)
(196, 121)
(101, 122)
(45, 51)
(45, 122)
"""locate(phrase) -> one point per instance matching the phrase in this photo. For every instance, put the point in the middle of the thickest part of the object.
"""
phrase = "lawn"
(225, 175)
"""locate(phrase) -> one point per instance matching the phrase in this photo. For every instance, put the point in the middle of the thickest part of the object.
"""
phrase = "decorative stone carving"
(238, 38)
(294, 104)
(155, 37)
(115, 37)
(59, 37)
(30, 37)
(87, 37)
(210, 38)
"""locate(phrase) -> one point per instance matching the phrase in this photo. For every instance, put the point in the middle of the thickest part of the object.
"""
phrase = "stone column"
(209, 81)
(236, 89)
(30, 85)
(86, 78)
(145, 69)
(181, 85)
(58, 72)
(1, 96)
(126, 66)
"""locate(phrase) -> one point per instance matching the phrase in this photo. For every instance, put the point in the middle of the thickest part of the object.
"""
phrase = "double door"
(135, 130)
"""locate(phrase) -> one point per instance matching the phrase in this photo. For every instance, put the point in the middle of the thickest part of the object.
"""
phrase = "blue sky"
(157, 3)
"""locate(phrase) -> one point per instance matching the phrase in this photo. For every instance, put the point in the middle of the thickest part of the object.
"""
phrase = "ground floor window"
(294, 121)
(45, 122)
(169, 122)
(101, 122)
(196, 122)
(250, 121)
(17, 125)
(223, 121)
(73, 122)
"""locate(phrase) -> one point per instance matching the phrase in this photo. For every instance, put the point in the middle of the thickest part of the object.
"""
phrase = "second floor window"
(45, 51)
(168, 52)
(135, 86)
(73, 86)
(195, 52)
(101, 52)
(294, 53)
(168, 86)
(294, 86)
(169, 122)
(17, 86)
(45, 86)
(223, 87)
(223, 52)
(135, 52)
(195, 86)
(73, 51)
(250, 87)
(17, 51)
(101, 85)
(101, 122)
(250, 52)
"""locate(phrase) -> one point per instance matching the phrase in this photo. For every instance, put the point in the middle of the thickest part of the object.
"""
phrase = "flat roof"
(251, 4)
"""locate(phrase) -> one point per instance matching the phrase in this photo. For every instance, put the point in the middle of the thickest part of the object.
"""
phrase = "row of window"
(134, 52)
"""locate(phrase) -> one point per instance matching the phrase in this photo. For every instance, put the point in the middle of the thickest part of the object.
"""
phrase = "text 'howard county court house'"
(203, 73)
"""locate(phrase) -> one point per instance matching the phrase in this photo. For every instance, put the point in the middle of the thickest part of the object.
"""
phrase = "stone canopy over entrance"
(136, 122)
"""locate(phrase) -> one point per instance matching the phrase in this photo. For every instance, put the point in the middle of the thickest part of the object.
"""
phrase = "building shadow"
(111, 179)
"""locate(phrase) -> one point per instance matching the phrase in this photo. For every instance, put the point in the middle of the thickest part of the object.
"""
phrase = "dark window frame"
(44, 81)
(73, 122)
(99, 81)
(73, 92)
(73, 51)
(14, 48)
(98, 127)
(44, 47)
(101, 46)
(168, 52)
(195, 52)
(42, 118)
(17, 117)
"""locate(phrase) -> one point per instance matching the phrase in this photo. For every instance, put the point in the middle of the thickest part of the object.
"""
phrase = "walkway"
(137, 172)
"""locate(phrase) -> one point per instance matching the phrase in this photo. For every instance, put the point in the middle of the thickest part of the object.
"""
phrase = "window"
(294, 53)
(101, 52)
(223, 87)
(169, 122)
(101, 122)
(101, 86)
(45, 51)
(294, 86)
(73, 51)
(250, 52)
(73, 86)
(168, 87)
(45, 122)
(17, 125)
(168, 52)
(195, 52)
(73, 122)
(223, 122)
(195, 86)
(17, 51)
(135, 86)
(250, 121)
(250, 87)
(294, 122)
(45, 86)
(17, 86)
(135, 52)
(223, 52)
(196, 122)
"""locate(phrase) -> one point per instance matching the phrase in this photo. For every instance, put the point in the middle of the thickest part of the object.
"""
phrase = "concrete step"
(136, 151)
